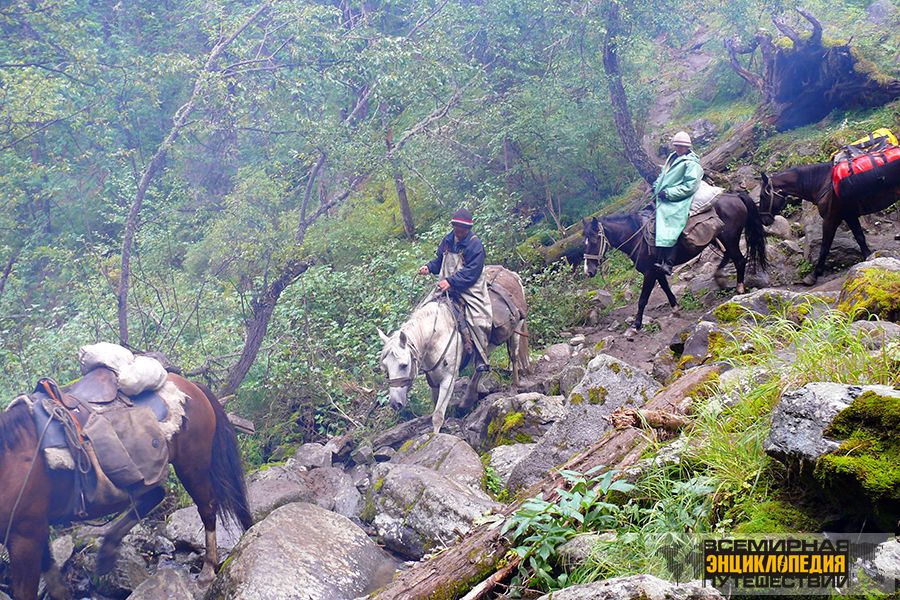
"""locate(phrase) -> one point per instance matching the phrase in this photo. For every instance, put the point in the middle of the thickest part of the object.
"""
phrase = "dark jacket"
(473, 260)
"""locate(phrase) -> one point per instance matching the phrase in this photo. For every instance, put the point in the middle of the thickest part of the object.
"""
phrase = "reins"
(416, 360)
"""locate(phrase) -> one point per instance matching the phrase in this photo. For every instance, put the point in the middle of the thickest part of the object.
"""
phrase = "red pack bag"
(866, 173)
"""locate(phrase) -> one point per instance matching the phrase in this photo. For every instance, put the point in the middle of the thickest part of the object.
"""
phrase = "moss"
(775, 516)
(868, 459)
(523, 438)
(485, 565)
(576, 399)
(367, 515)
(599, 346)
(729, 312)
(378, 484)
(715, 345)
(615, 368)
(872, 292)
(513, 419)
(407, 445)
(555, 389)
(597, 395)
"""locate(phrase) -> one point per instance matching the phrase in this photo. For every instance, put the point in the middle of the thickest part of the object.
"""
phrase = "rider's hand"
(423, 270)
(662, 195)
(443, 285)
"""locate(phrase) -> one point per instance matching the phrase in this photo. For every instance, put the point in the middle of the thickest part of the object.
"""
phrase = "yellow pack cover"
(870, 140)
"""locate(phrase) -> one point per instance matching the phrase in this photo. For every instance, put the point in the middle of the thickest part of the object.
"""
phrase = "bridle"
(415, 361)
(771, 192)
(602, 248)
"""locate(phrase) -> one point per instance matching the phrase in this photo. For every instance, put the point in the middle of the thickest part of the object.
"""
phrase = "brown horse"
(813, 184)
(625, 233)
(203, 451)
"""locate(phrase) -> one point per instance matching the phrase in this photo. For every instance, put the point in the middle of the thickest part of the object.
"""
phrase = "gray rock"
(504, 418)
(185, 530)
(332, 489)
(340, 447)
(883, 13)
(636, 587)
(359, 474)
(503, 459)
(603, 298)
(780, 228)
(302, 552)
(569, 378)
(887, 560)
(608, 384)
(273, 487)
(875, 334)
(167, 584)
(363, 455)
(557, 352)
(697, 345)
(62, 548)
(799, 420)
(796, 306)
(312, 456)
(384, 454)
(445, 454)
(577, 340)
(844, 249)
(578, 550)
(417, 509)
(130, 571)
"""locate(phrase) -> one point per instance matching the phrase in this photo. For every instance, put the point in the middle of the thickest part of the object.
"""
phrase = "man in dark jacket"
(459, 262)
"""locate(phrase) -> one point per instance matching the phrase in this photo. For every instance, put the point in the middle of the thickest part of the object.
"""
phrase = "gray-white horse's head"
(399, 363)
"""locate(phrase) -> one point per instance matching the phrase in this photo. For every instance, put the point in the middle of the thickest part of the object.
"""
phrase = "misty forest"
(240, 196)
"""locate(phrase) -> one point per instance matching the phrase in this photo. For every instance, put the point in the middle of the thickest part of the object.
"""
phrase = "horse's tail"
(524, 352)
(226, 471)
(755, 234)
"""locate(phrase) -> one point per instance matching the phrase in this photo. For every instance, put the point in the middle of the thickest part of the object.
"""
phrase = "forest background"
(249, 187)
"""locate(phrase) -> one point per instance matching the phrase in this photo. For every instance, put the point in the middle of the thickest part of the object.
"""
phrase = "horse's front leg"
(512, 349)
(664, 284)
(25, 546)
(444, 389)
(646, 288)
(858, 234)
(106, 557)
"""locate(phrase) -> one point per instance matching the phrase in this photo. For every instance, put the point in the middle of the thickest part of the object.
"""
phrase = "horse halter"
(406, 382)
(602, 248)
(771, 192)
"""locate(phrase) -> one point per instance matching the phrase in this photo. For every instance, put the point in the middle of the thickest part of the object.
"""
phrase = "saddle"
(702, 226)
(115, 440)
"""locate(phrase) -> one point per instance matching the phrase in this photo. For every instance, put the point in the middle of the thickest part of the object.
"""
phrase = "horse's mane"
(811, 177)
(627, 218)
(14, 424)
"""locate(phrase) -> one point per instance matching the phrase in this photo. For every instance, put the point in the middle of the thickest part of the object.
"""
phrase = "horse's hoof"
(740, 289)
(206, 577)
(810, 279)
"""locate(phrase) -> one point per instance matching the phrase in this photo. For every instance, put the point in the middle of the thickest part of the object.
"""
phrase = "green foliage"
(554, 303)
(539, 527)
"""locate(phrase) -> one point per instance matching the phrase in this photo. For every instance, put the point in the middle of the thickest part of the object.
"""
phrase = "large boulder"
(702, 342)
(185, 529)
(313, 455)
(797, 437)
(770, 302)
(636, 587)
(872, 288)
(415, 509)
(302, 552)
(504, 419)
(844, 250)
(445, 454)
(503, 459)
(329, 487)
(608, 384)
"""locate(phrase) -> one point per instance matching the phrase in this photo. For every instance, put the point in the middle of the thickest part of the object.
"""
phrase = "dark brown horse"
(813, 184)
(204, 453)
(625, 233)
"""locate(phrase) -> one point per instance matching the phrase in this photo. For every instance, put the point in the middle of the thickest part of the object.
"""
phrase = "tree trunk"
(631, 142)
(804, 80)
(179, 120)
(7, 269)
(258, 324)
(405, 212)
(475, 557)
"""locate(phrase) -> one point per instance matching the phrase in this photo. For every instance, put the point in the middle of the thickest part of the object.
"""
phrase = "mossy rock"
(867, 464)
(776, 516)
(872, 289)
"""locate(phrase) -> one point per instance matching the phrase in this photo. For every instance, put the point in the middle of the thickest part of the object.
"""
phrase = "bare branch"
(816, 39)
(307, 194)
(787, 30)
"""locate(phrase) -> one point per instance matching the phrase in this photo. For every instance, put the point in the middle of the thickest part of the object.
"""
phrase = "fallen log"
(622, 418)
(474, 558)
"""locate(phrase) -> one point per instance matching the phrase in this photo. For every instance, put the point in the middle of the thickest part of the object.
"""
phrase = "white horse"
(430, 344)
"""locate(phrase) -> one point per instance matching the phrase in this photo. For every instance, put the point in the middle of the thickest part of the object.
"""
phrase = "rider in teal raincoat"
(674, 189)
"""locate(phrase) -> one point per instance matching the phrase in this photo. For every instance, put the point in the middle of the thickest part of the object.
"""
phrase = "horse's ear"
(381, 334)
(765, 179)
(402, 340)
(595, 223)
